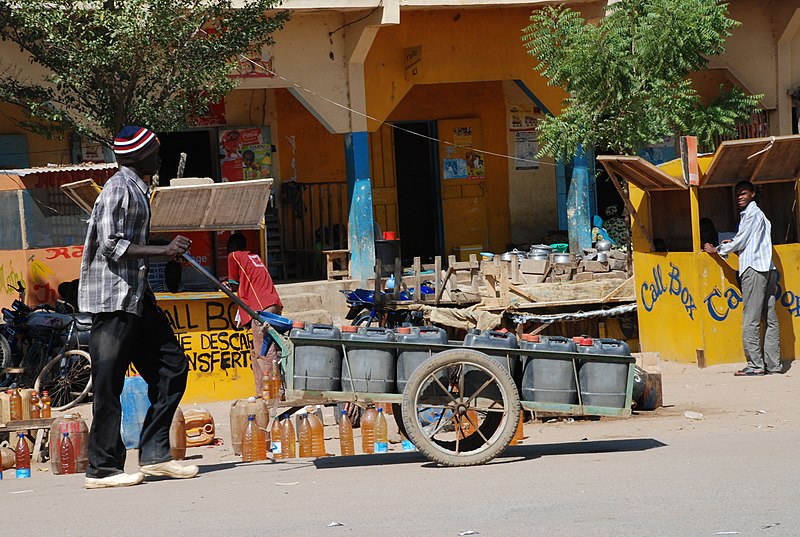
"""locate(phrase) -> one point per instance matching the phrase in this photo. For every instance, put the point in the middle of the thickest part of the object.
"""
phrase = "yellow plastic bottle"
(305, 437)
(278, 447)
(368, 430)
(317, 436)
(253, 441)
(15, 404)
(381, 433)
(47, 411)
(346, 435)
(275, 380)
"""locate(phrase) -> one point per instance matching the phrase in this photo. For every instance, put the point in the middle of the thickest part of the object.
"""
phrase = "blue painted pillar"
(579, 228)
(361, 236)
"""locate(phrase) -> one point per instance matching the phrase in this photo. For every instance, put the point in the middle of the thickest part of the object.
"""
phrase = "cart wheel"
(460, 408)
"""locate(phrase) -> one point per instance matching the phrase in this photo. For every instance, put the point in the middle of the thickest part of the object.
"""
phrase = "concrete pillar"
(361, 235)
(578, 224)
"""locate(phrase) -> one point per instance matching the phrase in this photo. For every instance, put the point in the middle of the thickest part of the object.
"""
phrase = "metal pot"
(513, 255)
(539, 256)
(603, 245)
(541, 249)
(562, 258)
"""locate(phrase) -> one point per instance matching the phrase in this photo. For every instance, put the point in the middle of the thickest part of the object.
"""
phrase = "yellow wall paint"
(478, 45)
(690, 301)
(484, 101)
(41, 151)
(218, 353)
(318, 155)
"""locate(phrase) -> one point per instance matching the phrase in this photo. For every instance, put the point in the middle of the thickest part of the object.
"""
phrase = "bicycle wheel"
(67, 377)
(5, 353)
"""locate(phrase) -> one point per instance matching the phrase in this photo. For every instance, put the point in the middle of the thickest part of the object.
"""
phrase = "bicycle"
(68, 376)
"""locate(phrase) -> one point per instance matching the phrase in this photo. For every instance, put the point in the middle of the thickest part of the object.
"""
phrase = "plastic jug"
(78, 435)
(317, 367)
(346, 435)
(276, 440)
(66, 453)
(240, 409)
(409, 360)
(504, 341)
(23, 457)
(177, 436)
(381, 433)
(368, 430)
(370, 370)
(254, 441)
(548, 379)
(306, 449)
(289, 438)
(603, 383)
(317, 436)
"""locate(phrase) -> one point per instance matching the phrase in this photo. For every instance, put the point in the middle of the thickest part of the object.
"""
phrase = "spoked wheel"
(460, 408)
(67, 377)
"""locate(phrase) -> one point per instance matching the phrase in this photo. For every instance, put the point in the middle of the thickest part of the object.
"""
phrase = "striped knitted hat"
(131, 142)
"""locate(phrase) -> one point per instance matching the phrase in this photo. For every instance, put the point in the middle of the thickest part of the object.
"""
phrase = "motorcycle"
(31, 336)
(364, 312)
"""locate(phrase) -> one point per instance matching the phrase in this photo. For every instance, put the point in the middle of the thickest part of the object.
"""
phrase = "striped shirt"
(120, 217)
(753, 240)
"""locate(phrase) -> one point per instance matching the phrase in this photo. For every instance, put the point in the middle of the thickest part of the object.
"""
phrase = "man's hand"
(177, 247)
(709, 248)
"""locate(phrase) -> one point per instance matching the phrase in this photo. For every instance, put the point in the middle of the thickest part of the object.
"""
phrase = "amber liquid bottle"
(289, 438)
(36, 411)
(253, 441)
(23, 457)
(15, 405)
(278, 446)
(368, 430)
(47, 411)
(517, 439)
(317, 436)
(275, 380)
(381, 433)
(66, 453)
(305, 437)
(346, 435)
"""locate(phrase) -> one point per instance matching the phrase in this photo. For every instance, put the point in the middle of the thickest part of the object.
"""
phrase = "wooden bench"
(41, 426)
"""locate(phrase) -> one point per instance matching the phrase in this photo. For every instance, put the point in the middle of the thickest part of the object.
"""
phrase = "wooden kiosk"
(689, 302)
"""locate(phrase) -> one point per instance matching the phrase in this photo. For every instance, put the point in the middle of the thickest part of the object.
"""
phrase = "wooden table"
(41, 426)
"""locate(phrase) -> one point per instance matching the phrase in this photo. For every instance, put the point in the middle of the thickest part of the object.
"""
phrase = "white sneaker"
(170, 469)
(116, 480)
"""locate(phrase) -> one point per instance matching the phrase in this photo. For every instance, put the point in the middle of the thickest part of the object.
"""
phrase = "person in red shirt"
(248, 275)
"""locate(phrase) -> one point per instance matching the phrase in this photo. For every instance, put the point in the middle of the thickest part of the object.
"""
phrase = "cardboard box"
(463, 252)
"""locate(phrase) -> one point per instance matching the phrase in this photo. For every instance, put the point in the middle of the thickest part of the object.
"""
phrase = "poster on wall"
(522, 116)
(455, 168)
(525, 148)
(255, 64)
(245, 153)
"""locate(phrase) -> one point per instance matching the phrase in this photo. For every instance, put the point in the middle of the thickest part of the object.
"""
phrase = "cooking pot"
(539, 256)
(541, 249)
(603, 245)
(562, 258)
(513, 255)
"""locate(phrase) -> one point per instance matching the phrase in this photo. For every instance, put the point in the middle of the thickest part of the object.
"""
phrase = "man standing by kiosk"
(758, 279)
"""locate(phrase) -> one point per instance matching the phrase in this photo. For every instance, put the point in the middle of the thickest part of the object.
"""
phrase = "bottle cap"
(404, 330)
(66, 434)
(586, 341)
(349, 328)
(380, 409)
(344, 412)
(531, 338)
(298, 324)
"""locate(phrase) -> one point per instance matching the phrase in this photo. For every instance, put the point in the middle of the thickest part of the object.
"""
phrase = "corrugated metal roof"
(59, 168)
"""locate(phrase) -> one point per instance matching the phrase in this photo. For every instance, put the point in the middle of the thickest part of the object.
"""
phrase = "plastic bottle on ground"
(47, 411)
(15, 405)
(381, 433)
(177, 436)
(290, 440)
(36, 412)
(23, 457)
(67, 455)
(346, 435)
(518, 434)
(275, 380)
(368, 430)
(305, 437)
(253, 441)
(317, 436)
(277, 445)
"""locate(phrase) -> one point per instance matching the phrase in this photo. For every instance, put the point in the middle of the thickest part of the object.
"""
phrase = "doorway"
(200, 160)
(418, 199)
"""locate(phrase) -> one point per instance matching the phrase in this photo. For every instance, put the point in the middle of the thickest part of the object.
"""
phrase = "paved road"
(656, 475)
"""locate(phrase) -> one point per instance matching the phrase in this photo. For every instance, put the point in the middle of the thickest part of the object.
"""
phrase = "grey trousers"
(758, 295)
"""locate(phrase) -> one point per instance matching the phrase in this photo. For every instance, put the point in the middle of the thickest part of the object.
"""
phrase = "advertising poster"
(255, 64)
(525, 148)
(245, 153)
(522, 116)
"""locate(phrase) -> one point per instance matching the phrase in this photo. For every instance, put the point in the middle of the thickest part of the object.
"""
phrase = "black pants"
(118, 339)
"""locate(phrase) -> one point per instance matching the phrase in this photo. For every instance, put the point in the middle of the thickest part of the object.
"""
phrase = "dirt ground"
(723, 403)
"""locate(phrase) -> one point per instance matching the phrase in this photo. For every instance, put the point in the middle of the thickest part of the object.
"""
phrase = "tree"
(627, 76)
(116, 62)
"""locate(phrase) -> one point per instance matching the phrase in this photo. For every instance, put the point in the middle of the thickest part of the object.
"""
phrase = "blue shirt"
(753, 240)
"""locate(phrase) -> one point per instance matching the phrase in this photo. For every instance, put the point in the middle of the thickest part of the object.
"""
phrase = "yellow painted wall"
(458, 45)
(41, 151)
(482, 100)
(690, 301)
(218, 352)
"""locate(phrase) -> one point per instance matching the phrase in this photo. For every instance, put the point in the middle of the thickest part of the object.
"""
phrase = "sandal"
(749, 372)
